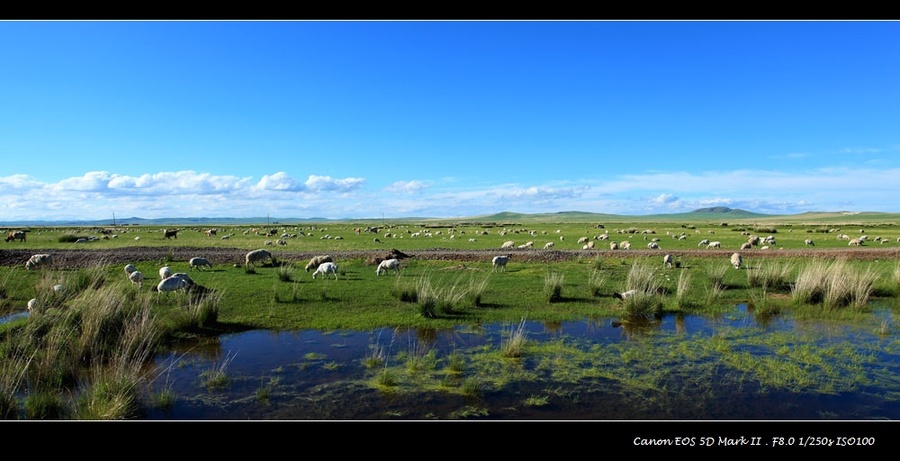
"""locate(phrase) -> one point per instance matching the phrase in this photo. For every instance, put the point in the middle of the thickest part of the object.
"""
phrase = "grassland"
(101, 325)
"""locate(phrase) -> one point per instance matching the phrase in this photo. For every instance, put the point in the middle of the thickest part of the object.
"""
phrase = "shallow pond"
(732, 367)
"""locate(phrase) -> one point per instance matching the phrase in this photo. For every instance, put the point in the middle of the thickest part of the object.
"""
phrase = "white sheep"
(548, 245)
(625, 245)
(625, 294)
(259, 256)
(667, 260)
(38, 261)
(200, 263)
(499, 262)
(653, 246)
(129, 268)
(388, 264)
(736, 260)
(136, 278)
(507, 245)
(325, 268)
(165, 272)
(746, 246)
(170, 284)
(809, 242)
(185, 277)
(715, 244)
(317, 260)
(703, 242)
(32, 304)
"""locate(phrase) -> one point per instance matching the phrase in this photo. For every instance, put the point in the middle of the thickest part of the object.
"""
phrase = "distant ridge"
(715, 215)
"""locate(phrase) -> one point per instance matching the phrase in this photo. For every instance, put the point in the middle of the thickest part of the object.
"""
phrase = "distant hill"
(713, 215)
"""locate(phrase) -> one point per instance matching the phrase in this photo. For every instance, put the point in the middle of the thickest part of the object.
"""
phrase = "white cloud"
(406, 187)
(327, 183)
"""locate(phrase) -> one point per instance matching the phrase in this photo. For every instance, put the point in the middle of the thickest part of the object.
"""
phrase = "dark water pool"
(732, 367)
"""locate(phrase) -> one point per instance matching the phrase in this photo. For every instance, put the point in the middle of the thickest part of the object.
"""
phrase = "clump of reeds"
(516, 338)
(682, 288)
(770, 276)
(553, 285)
(476, 289)
(834, 284)
(433, 299)
(286, 272)
(716, 274)
(646, 300)
(203, 309)
(596, 280)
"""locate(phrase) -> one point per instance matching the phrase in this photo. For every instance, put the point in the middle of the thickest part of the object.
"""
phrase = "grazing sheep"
(507, 245)
(388, 264)
(855, 242)
(746, 246)
(170, 284)
(38, 261)
(16, 235)
(32, 304)
(809, 242)
(499, 262)
(136, 278)
(325, 268)
(165, 272)
(715, 244)
(170, 233)
(129, 268)
(653, 246)
(626, 245)
(317, 260)
(548, 245)
(185, 277)
(624, 294)
(210, 232)
(703, 242)
(258, 256)
(200, 263)
(736, 260)
(667, 260)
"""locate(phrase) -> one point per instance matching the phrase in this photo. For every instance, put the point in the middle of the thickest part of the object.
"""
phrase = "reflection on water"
(734, 366)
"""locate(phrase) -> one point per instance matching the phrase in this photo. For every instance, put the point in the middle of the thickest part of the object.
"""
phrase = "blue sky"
(372, 119)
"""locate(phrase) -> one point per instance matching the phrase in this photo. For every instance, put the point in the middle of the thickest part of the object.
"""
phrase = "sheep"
(129, 268)
(185, 277)
(32, 304)
(653, 246)
(388, 264)
(548, 245)
(16, 235)
(626, 245)
(746, 246)
(507, 245)
(499, 262)
(169, 284)
(809, 242)
(317, 260)
(210, 232)
(325, 268)
(200, 263)
(736, 260)
(165, 272)
(136, 278)
(703, 242)
(170, 233)
(715, 244)
(625, 294)
(258, 256)
(855, 242)
(667, 260)
(38, 261)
